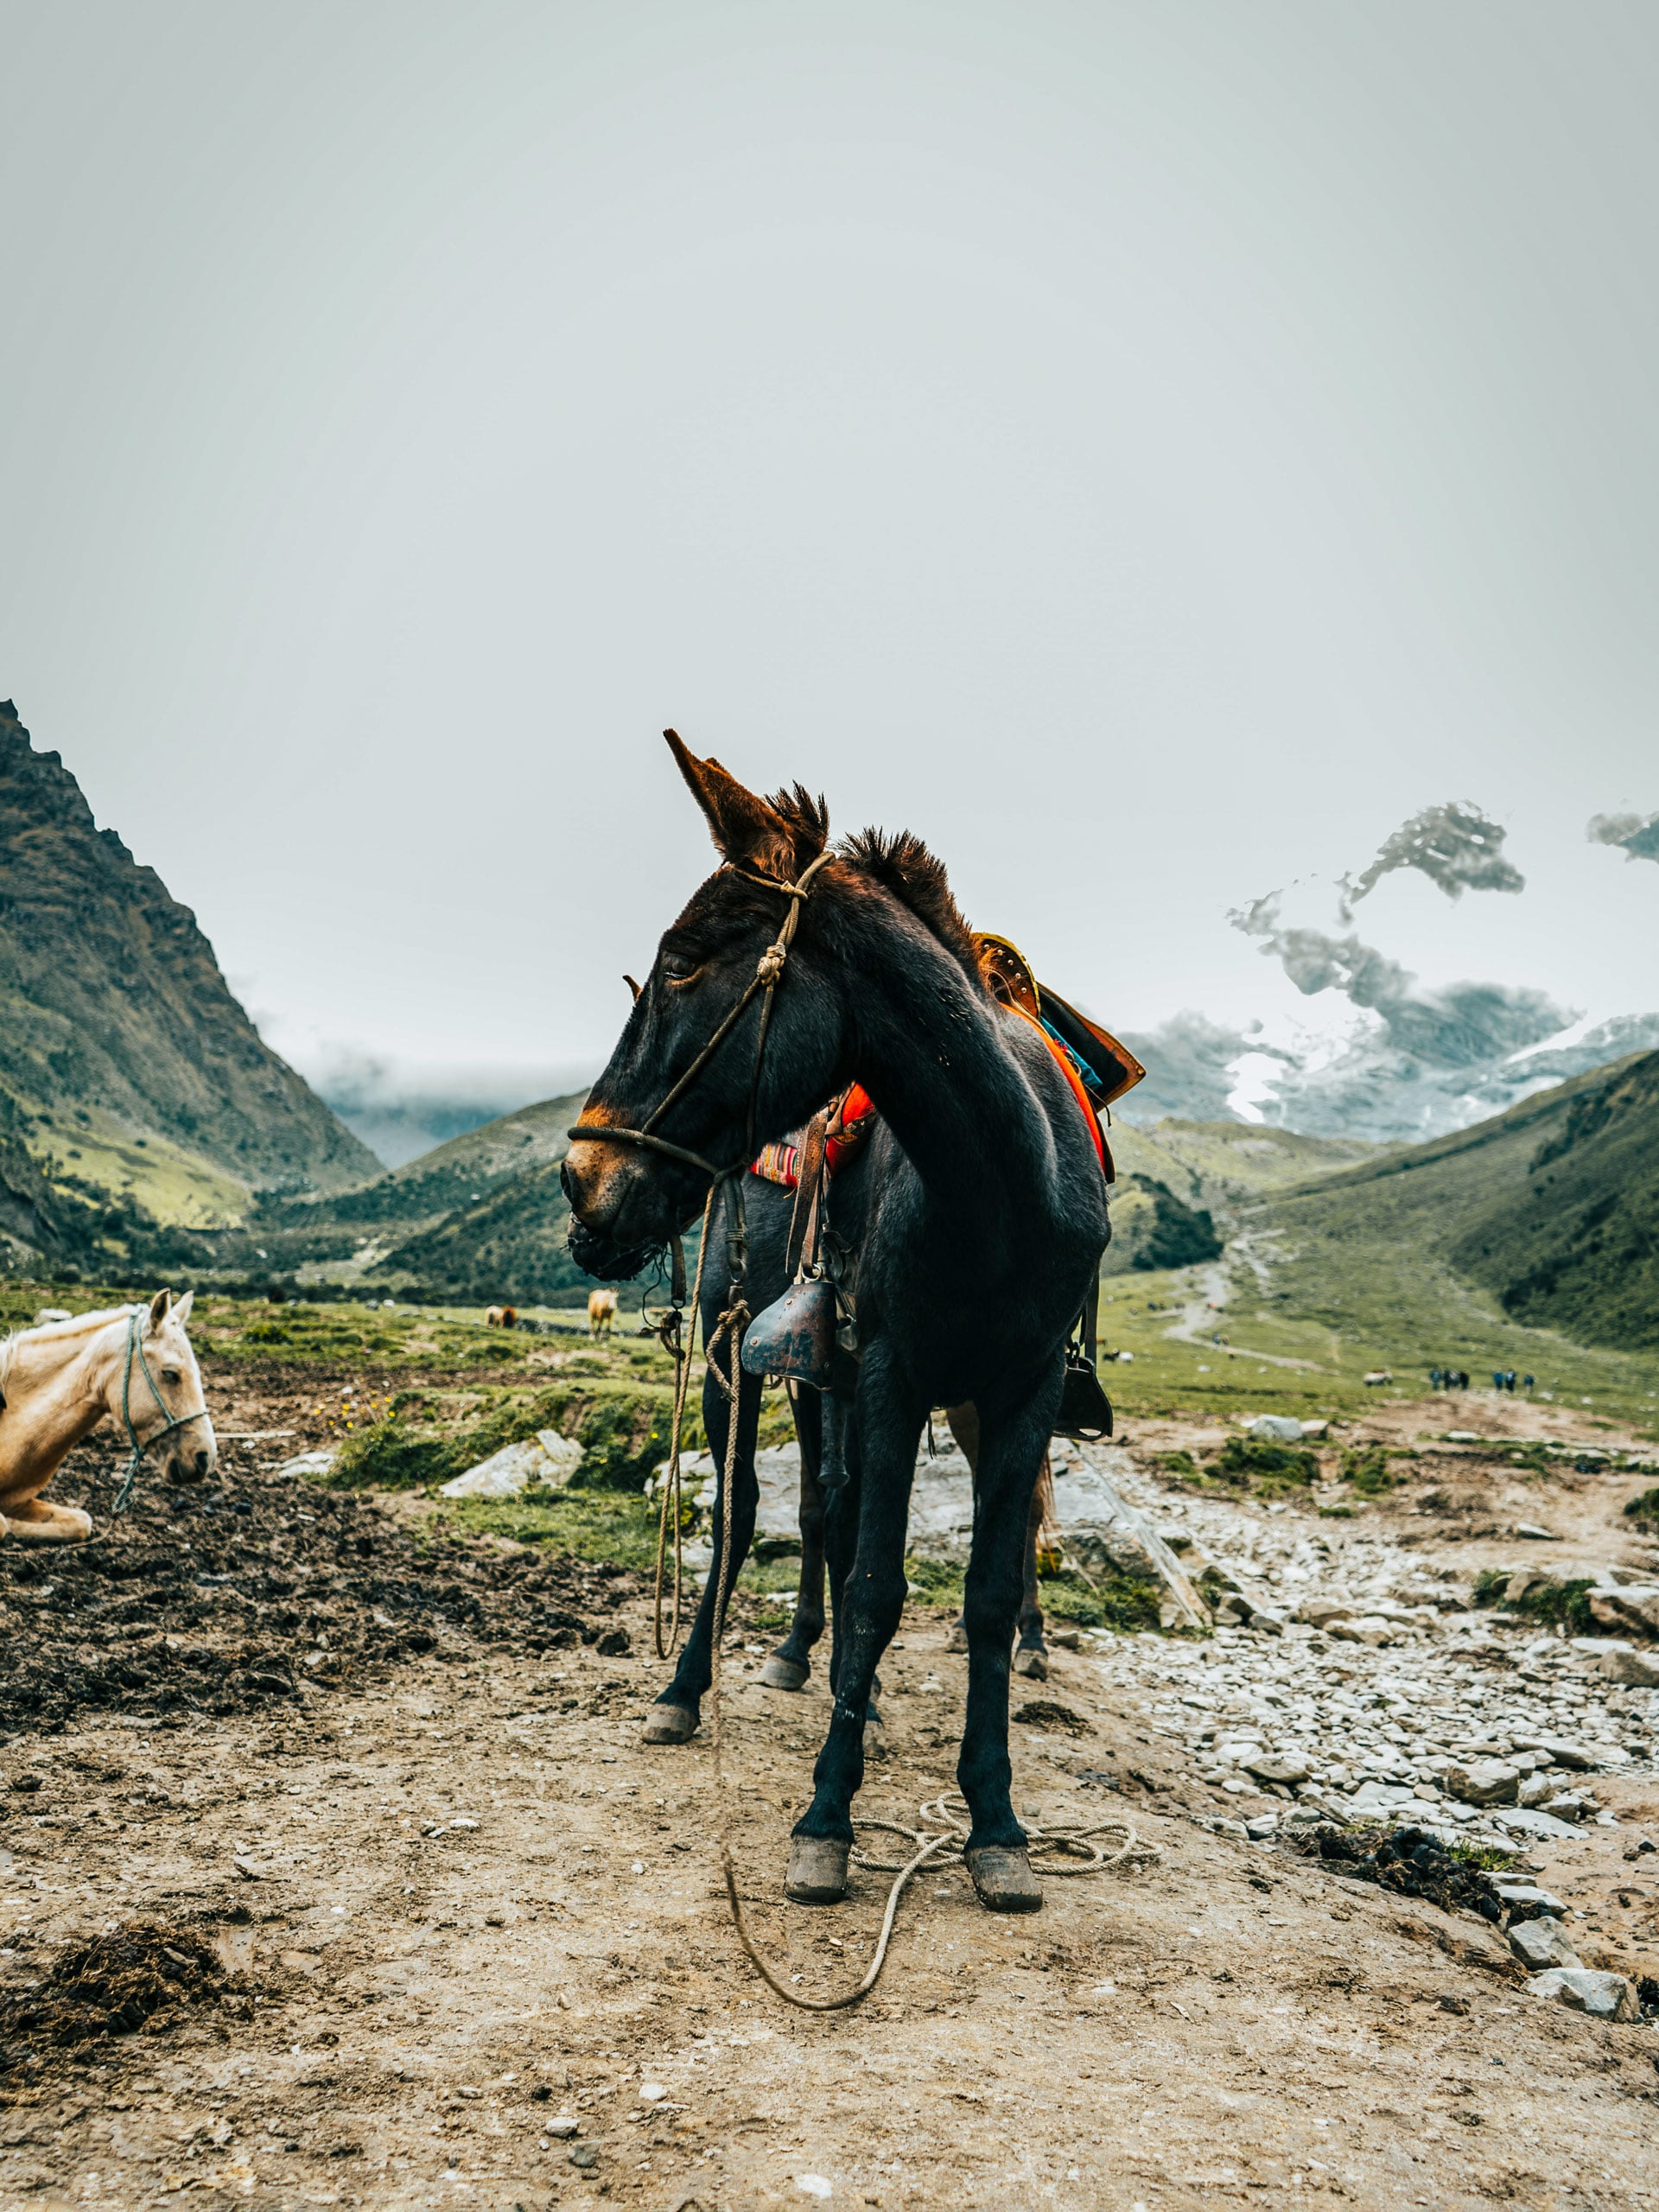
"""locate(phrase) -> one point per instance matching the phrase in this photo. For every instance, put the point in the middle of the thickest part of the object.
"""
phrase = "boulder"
(1570, 1805)
(1483, 1781)
(546, 1457)
(1559, 1751)
(1275, 1428)
(1630, 1610)
(1370, 1629)
(1532, 1820)
(1604, 1996)
(1541, 1943)
(1320, 1612)
(1526, 1900)
(1288, 1769)
(1636, 1669)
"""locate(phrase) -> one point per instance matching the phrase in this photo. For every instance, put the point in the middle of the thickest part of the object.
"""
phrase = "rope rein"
(1075, 1840)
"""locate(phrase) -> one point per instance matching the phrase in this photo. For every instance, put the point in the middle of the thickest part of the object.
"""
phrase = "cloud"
(1458, 847)
(1459, 1028)
(1637, 834)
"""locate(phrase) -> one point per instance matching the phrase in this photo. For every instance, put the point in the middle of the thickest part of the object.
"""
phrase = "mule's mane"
(902, 864)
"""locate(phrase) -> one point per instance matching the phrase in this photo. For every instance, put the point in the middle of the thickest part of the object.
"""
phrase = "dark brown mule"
(977, 1214)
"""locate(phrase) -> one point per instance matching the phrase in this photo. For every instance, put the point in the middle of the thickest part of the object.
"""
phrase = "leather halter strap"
(768, 976)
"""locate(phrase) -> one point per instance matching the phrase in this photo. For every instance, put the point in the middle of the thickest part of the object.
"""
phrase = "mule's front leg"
(674, 1717)
(791, 1662)
(868, 1605)
(1011, 1450)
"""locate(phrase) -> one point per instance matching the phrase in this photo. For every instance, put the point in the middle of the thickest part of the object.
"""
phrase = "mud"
(249, 1595)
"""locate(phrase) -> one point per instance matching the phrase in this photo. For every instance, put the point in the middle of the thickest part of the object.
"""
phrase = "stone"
(1261, 1826)
(1273, 1766)
(1320, 1612)
(1570, 1805)
(1627, 1609)
(1604, 1996)
(1369, 1629)
(1535, 1789)
(546, 1457)
(1483, 1782)
(1519, 1894)
(1373, 1797)
(562, 2128)
(1562, 1752)
(1236, 1829)
(308, 1466)
(1275, 1428)
(1636, 1669)
(1538, 1534)
(1541, 1943)
(1532, 1820)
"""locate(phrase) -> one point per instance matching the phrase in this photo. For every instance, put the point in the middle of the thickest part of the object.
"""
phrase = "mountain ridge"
(116, 1024)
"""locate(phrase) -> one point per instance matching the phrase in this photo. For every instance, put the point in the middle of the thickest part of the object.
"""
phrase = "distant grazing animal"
(1377, 1374)
(601, 1311)
(976, 1212)
(501, 1317)
(57, 1382)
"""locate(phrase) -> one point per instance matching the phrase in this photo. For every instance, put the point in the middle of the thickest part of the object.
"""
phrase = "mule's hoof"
(668, 1724)
(875, 1737)
(35, 1523)
(817, 1870)
(1031, 1659)
(1003, 1881)
(781, 1674)
(958, 1639)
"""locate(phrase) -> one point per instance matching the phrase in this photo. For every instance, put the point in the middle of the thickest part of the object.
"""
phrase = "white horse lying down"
(57, 1382)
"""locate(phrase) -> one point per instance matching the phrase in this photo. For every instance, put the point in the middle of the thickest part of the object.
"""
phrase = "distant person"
(1508, 1380)
(1526, 1381)
(1434, 1378)
(1463, 1378)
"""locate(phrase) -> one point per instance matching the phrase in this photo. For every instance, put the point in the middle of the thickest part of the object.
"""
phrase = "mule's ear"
(158, 1314)
(745, 829)
(181, 1310)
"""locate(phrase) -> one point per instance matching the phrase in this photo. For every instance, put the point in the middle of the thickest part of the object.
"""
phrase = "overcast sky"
(1150, 450)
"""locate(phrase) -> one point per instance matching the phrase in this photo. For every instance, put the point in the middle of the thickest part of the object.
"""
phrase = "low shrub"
(1245, 1458)
(1644, 1510)
(1562, 1605)
(1366, 1469)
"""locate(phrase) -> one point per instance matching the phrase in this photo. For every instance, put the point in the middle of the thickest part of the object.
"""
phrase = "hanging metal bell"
(795, 1337)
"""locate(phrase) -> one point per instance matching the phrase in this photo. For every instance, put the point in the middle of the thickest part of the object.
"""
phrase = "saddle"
(800, 1336)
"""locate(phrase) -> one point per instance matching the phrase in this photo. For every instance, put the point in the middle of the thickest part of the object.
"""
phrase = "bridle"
(768, 974)
(135, 1349)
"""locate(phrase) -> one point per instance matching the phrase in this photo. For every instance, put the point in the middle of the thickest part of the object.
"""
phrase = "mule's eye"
(679, 967)
(171, 1375)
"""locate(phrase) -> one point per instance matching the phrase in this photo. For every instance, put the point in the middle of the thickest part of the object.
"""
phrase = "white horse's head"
(155, 1391)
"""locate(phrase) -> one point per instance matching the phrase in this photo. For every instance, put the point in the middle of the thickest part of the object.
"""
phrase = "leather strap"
(808, 1181)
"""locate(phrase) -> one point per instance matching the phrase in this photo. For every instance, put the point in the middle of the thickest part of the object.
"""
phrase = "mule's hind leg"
(791, 1662)
(1031, 1654)
(1011, 1450)
(674, 1717)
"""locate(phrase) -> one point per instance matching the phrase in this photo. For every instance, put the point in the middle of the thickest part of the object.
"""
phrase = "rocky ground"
(426, 1926)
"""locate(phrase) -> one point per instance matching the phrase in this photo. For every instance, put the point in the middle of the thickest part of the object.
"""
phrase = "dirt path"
(1230, 2022)
(1200, 1323)
(453, 1901)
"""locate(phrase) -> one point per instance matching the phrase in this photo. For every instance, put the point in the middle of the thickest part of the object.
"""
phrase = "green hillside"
(1527, 1242)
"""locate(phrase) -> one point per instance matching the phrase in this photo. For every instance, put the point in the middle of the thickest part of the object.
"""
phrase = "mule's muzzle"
(606, 1260)
(625, 1206)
